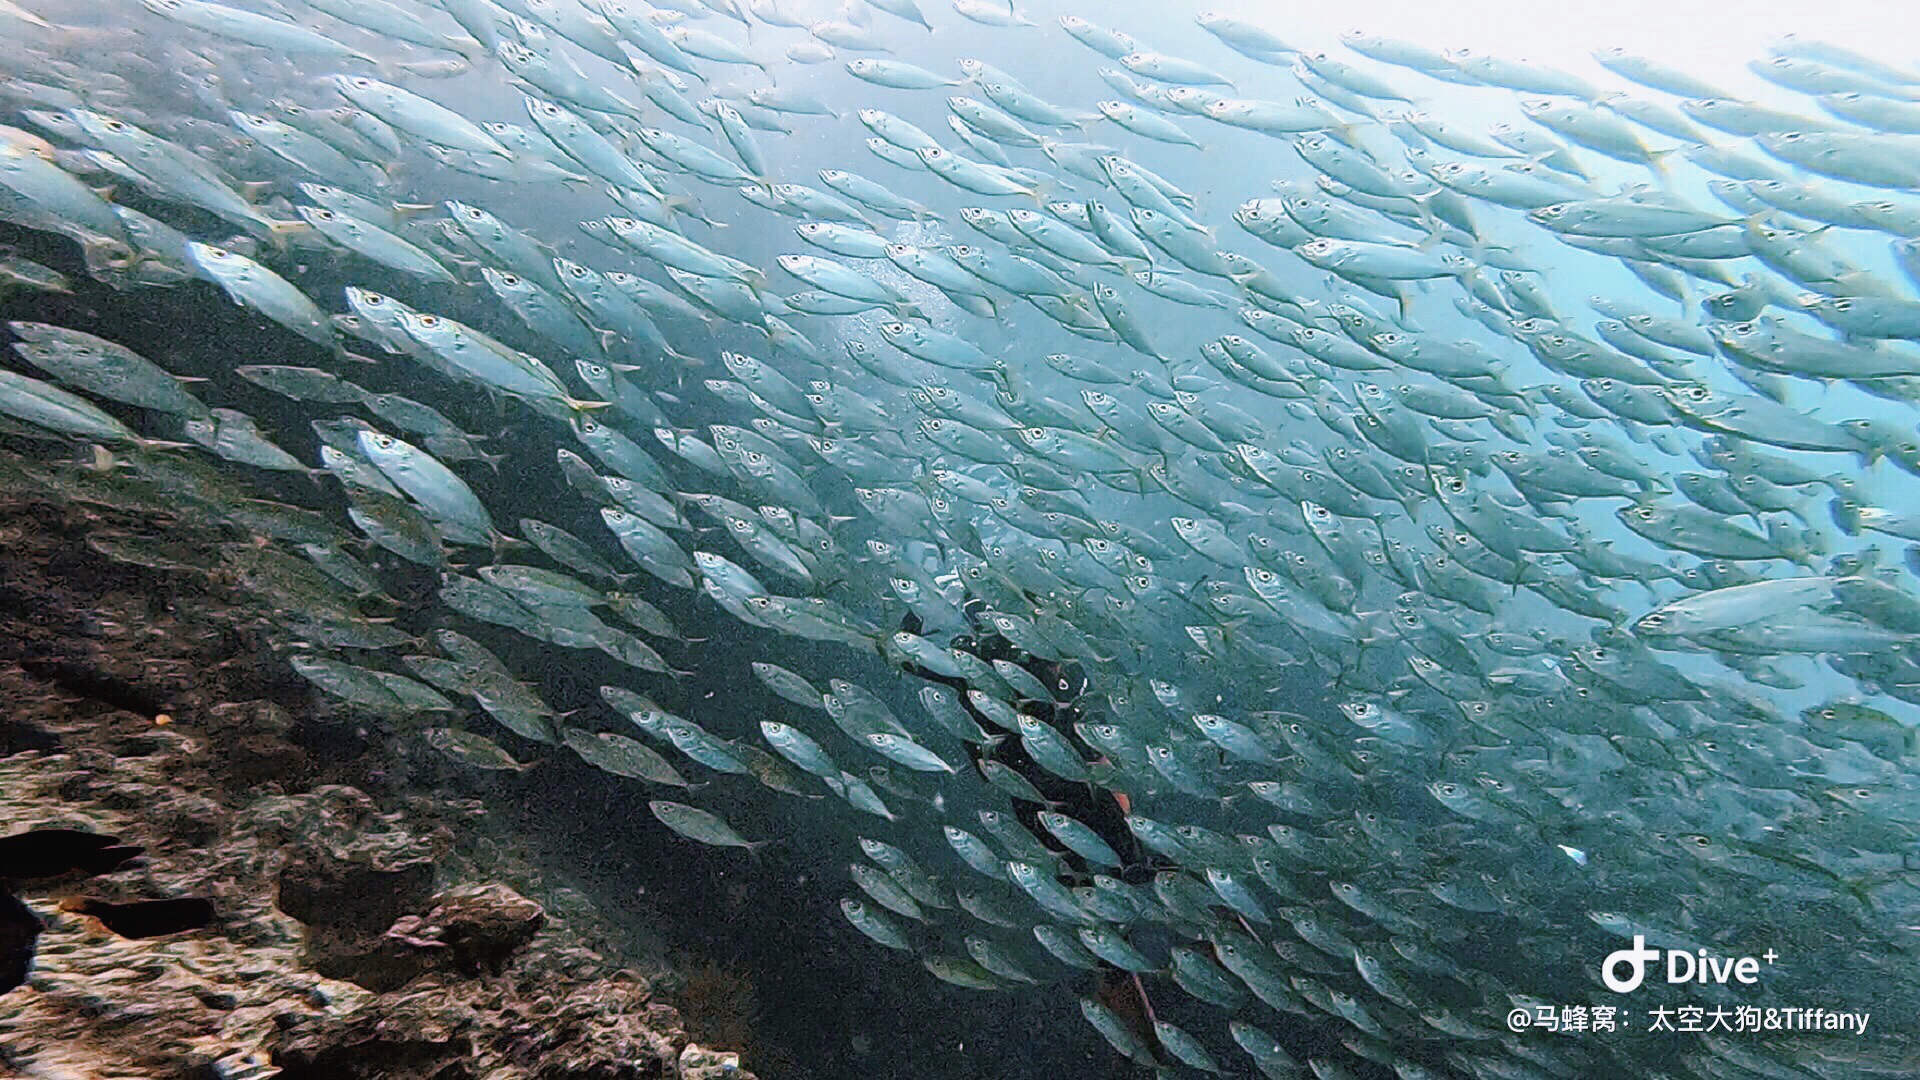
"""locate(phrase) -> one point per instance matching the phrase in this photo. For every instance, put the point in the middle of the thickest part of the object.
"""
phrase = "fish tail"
(1040, 191)
(686, 205)
(1791, 547)
(471, 49)
(1657, 164)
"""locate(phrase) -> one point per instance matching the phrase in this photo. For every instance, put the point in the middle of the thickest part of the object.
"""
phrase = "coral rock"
(480, 926)
(208, 956)
(697, 1063)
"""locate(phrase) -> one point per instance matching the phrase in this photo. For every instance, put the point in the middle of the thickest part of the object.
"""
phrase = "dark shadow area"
(50, 853)
(139, 919)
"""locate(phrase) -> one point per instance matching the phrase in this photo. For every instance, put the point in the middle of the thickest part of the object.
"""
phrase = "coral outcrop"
(191, 886)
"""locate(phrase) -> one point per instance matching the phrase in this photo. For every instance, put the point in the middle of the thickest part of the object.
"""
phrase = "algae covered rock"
(699, 1063)
(479, 926)
(202, 892)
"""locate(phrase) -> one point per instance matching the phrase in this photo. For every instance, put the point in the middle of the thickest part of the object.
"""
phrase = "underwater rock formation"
(211, 898)
(446, 1025)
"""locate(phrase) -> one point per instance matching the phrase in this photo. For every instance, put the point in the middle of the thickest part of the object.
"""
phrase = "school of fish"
(1467, 546)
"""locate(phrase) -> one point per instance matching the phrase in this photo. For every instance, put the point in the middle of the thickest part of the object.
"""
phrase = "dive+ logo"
(1682, 967)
